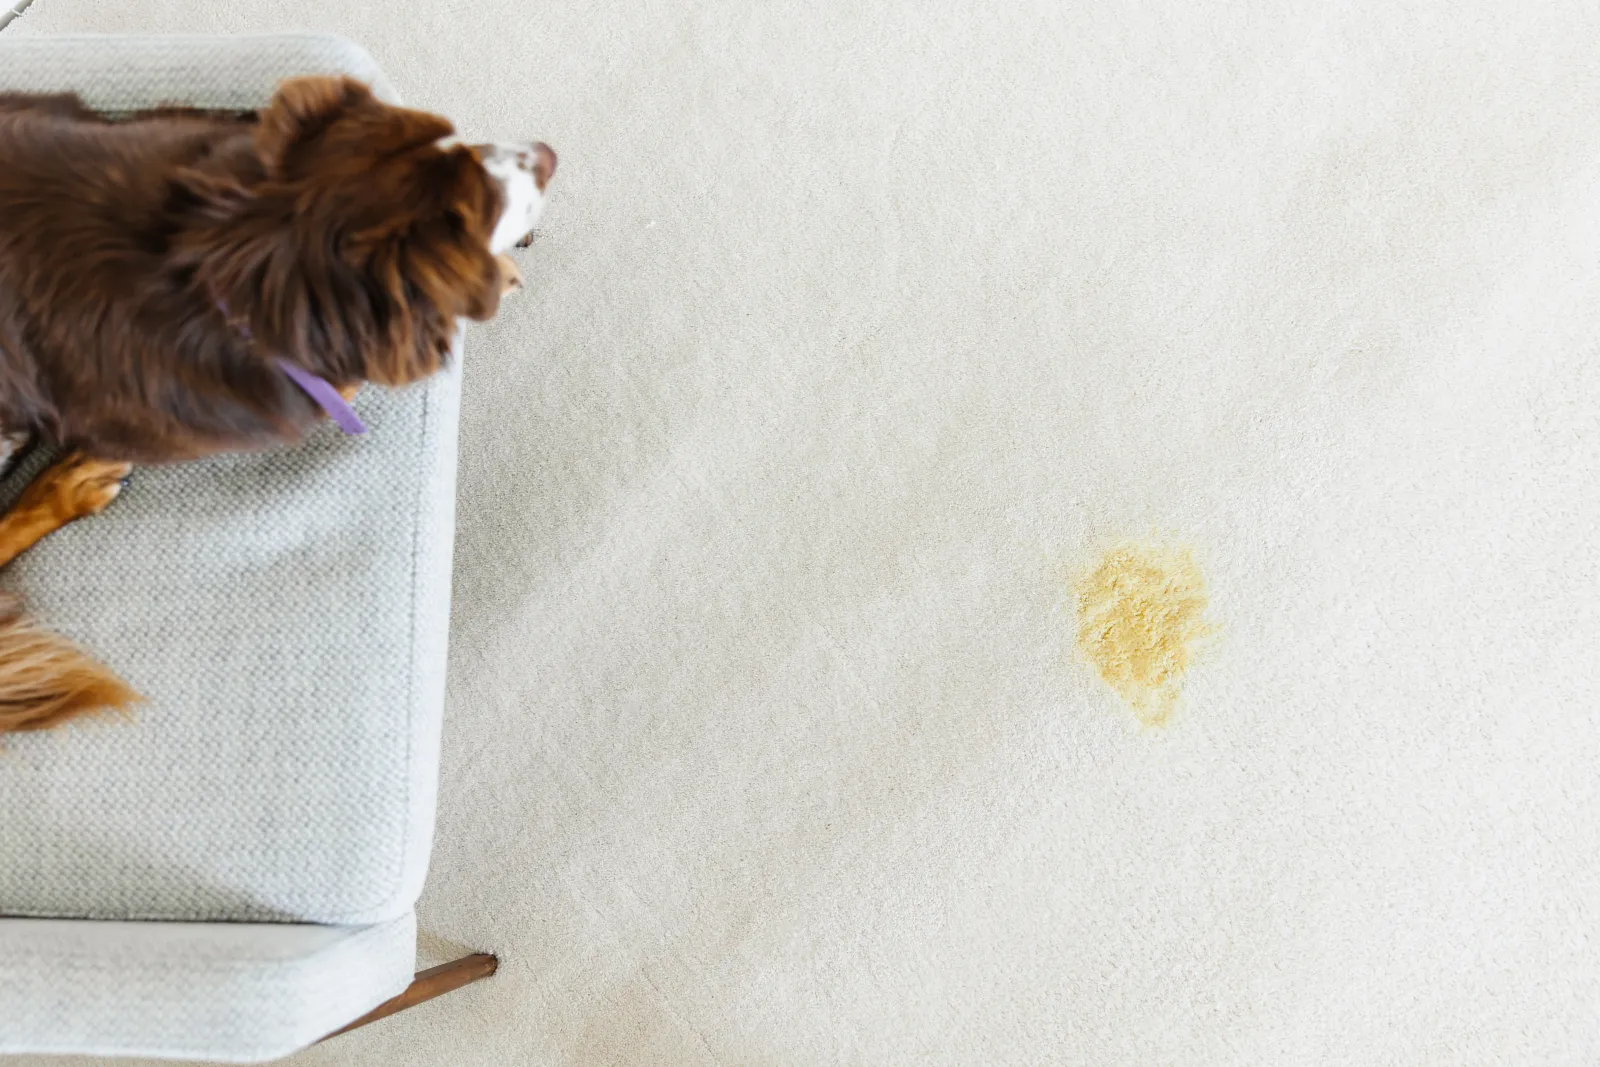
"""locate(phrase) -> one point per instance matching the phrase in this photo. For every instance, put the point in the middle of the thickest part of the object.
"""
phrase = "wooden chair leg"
(433, 982)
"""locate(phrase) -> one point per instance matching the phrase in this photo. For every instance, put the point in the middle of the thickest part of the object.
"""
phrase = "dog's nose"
(544, 164)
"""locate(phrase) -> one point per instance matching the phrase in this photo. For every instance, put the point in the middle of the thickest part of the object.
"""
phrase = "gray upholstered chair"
(230, 874)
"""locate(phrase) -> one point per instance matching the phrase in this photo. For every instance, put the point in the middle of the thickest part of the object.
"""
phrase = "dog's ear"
(341, 115)
(428, 253)
(301, 109)
(436, 282)
(473, 207)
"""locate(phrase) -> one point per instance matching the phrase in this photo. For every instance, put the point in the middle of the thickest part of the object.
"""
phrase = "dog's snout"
(544, 164)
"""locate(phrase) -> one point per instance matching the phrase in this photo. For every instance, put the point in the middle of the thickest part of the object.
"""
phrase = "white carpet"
(851, 338)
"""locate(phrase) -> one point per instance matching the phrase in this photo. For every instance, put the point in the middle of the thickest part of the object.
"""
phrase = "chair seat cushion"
(236, 992)
(284, 614)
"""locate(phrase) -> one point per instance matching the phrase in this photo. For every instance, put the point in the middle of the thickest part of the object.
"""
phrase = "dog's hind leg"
(44, 678)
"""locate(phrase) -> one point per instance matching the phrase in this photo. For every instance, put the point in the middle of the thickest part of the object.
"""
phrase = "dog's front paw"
(76, 486)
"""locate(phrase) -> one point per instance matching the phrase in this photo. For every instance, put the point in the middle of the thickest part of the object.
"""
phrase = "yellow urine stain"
(1141, 622)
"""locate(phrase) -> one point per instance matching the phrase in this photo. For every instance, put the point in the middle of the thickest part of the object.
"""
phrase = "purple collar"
(326, 396)
(318, 389)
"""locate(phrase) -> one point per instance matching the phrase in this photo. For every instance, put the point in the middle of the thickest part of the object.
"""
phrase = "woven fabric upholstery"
(240, 992)
(129, 73)
(284, 613)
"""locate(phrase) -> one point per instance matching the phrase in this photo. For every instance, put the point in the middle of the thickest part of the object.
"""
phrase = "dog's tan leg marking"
(74, 486)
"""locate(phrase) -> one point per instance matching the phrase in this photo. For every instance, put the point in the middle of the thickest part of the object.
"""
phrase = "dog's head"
(364, 233)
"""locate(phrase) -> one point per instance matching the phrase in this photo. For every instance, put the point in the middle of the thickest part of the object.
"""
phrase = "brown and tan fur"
(152, 269)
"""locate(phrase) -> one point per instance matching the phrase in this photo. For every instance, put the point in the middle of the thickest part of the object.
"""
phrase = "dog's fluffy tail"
(46, 679)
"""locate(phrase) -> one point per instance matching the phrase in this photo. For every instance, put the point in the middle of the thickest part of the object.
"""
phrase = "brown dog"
(174, 285)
